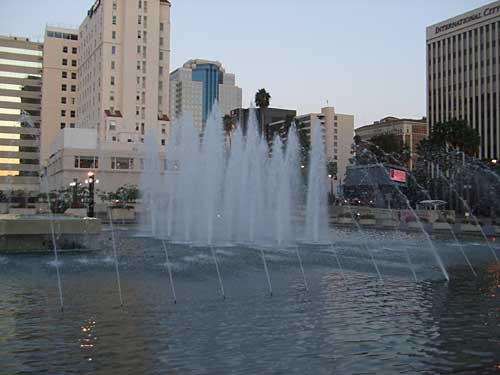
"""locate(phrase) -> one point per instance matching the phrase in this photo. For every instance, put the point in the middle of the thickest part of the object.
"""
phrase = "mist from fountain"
(215, 191)
(316, 228)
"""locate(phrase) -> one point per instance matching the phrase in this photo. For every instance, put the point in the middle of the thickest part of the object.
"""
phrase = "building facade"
(123, 69)
(20, 107)
(197, 85)
(274, 118)
(61, 51)
(463, 74)
(409, 131)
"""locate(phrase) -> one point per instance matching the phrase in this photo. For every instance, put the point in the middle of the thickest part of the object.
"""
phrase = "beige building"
(60, 93)
(338, 134)
(197, 85)
(463, 73)
(409, 131)
(124, 66)
(20, 106)
(76, 152)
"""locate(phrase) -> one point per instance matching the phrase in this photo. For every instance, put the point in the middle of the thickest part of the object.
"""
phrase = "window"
(65, 49)
(112, 65)
(111, 98)
(113, 50)
(73, 114)
(139, 34)
(63, 113)
(161, 55)
(163, 142)
(138, 49)
(72, 100)
(161, 26)
(73, 88)
(114, 5)
(161, 41)
(65, 62)
(113, 35)
(74, 50)
(72, 125)
(73, 75)
(73, 62)
(65, 74)
(63, 87)
(87, 162)
(163, 131)
(113, 139)
(112, 125)
(161, 70)
(122, 163)
(139, 19)
(63, 100)
(114, 20)
(63, 125)
(145, 6)
(140, 4)
(112, 80)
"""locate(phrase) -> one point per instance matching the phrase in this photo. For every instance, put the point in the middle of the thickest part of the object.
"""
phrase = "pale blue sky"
(366, 57)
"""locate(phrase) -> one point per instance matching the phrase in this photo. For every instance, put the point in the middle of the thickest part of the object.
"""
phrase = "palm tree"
(227, 120)
(262, 100)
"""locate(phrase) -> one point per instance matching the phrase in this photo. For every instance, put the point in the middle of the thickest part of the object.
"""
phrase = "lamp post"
(74, 185)
(330, 176)
(91, 181)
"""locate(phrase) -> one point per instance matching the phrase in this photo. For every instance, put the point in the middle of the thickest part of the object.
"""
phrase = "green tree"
(457, 134)
(262, 100)
(228, 122)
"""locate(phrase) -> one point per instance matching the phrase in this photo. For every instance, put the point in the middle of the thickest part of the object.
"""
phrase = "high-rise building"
(20, 106)
(197, 85)
(408, 131)
(463, 73)
(123, 69)
(268, 116)
(61, 51)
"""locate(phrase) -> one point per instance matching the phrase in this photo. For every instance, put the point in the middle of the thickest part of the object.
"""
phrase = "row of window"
(64, 87)
(65, 75)
(73, 49)
(65, 62)
(72, 113)
(71, 125)
(121, 163)
(64, 100)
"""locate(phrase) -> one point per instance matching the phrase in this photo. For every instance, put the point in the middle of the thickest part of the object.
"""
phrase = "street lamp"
(74, 185)
(91, 181)
(330, 176)
(495, 161)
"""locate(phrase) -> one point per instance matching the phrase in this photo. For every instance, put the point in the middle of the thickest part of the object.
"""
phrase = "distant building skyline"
(197, 84)
(364, 72)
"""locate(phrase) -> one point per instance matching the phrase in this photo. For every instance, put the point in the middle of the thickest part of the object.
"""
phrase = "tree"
(227, 120)
(457, 134)
(262, 100)
(389, 143)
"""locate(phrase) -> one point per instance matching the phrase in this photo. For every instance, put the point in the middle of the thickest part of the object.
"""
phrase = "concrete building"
(61, 51)
(20, 107)
(77, 152)
(409, 131)
(123, 69)
(338, 135)
(463, 73)
(197, 85)
(271, 116)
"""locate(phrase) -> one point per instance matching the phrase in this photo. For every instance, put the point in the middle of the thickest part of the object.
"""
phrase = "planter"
(77, 212)
(22, 211)
(367, 222)
(441, 226)
(344, 220)
(470, 228)
(123, 214)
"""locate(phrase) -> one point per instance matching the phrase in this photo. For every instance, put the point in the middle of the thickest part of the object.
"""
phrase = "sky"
(364, 57)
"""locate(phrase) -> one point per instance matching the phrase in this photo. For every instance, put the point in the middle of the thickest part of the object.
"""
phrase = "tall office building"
(197, 85)
(20, 97)
(124, 66)
(463, 73)
(61, 51)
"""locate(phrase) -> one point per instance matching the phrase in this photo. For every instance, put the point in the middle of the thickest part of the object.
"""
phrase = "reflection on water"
(356, 326)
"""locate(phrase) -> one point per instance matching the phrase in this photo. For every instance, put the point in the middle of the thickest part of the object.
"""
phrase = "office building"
(123, 70)
(20, 107)
(338, 133)
(268, 116)
(197, 85)
(463, 74)
(60, 93)
(408, 131)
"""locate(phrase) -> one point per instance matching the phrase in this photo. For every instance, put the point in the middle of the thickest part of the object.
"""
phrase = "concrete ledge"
(41, 224)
